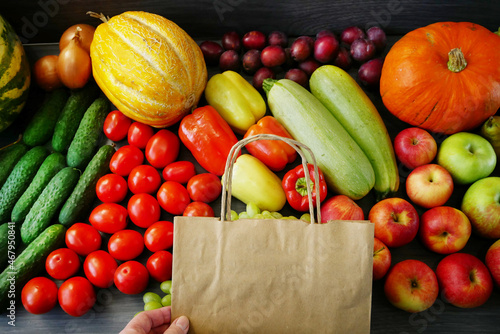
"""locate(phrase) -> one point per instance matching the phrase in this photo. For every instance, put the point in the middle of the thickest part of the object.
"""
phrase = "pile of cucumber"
(48, 179)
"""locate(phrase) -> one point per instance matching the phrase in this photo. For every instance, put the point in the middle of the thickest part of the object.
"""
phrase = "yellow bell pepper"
(236, 100)
(254, 182)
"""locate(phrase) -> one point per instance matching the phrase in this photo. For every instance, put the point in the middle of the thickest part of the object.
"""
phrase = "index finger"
(145, 321)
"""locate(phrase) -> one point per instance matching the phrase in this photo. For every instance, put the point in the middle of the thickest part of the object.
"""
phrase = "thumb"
(178, 326)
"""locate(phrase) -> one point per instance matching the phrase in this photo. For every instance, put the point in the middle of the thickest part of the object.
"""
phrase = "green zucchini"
(50, 167)
(48, 203)
(86, 140)
(9, 156)
(71, 116)
(349, 104)
(41, 127)
(29, 262)
(346, 168)
(84, 193)
(19, 179)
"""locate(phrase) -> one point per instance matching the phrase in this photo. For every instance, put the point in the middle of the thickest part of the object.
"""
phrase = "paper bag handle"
(299, 147)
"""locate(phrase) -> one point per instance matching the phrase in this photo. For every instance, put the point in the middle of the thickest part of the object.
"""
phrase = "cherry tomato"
(139, 134)
(83, 238)
(131, 277)
(125, 159)
(173, 197)
(159, 266)
(198, 209)
(39, 295)
(205, 187)
(76, 296)
(159, 236)
(116, 125)
(126, 245)
(163, 148)
(143, 210)
(144, 179)
(62, 263)
(179, 171)
(100, 267)
(111, 188)
(109, 217)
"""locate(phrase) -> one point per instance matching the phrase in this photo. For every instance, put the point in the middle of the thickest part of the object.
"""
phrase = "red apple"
(464, 280)
(415, 147)
(444, 229)
(340, 207)
(429, 186)
(412, 286)
(396, 221)
(493, 261)
(381, 259)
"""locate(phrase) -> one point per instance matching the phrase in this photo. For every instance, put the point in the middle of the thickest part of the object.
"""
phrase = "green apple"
(467, 156)
(481, 204)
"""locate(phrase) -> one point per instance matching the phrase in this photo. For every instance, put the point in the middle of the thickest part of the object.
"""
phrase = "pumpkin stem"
(99, 16)
(456, 60)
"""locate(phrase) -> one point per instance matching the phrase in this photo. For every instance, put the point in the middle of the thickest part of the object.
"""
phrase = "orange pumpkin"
(148, 67)
(444, 77)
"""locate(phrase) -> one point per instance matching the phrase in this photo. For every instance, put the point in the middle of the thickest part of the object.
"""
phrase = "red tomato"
(125, 159)
(83, 238)
(111, 188)
(76, 296)
(100, 267)
(160, 266)
(139, 134)
(39, 295)
(163, 148)
(109, 217)
(198, 209)
(159, 236)
(126, 245)
(116, 125)
(179, 171)
(144, 179)
(62, 263)
(131, 277)
(143, 210)
(173, 197)
(205, 187)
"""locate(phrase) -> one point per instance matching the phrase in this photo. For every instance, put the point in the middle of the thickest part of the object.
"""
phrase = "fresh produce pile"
(92, 187)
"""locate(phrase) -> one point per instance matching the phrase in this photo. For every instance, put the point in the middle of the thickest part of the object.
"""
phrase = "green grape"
(166, 300)
(258, 216)
(243, 215)
(151, 297)
(252, 209)
(277, 215)
(153, 305)
(306, 217)
(267, 215)
(234, 215)
(166, 287)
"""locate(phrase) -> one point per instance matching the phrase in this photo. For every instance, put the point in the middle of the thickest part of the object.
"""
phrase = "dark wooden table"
(209, 20)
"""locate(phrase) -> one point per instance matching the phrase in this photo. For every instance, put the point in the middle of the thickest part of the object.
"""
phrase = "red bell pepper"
(295, 186)
(274, 154)
(209, 138)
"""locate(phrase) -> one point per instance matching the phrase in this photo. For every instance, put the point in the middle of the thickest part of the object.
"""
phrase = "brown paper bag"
(272, 276)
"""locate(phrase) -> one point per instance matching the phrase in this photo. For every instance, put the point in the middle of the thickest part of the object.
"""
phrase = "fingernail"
(182, 322)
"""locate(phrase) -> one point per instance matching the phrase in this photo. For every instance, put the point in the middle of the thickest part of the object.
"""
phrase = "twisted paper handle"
(299, 147)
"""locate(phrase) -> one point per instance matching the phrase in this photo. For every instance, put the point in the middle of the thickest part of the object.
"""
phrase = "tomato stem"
(456, 60)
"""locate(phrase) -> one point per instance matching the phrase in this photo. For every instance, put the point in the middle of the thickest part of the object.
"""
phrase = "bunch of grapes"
(254, 212)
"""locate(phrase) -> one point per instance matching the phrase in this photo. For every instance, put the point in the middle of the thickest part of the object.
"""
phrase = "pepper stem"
(456, 60)
(267, 84)
(301, 186)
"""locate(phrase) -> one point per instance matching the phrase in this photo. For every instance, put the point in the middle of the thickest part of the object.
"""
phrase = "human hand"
(156, 322)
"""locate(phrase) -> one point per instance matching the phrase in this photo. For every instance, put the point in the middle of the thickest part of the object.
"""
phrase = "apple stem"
(378, 251)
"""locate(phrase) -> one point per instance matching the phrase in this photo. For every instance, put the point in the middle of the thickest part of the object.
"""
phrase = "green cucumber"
(41, 127)
(9, 156)
(29, 263)
(50, 167)
(48, 203)
(86, 140)
(71, 116)
(9, 239)
(19, 179)
(84, 193)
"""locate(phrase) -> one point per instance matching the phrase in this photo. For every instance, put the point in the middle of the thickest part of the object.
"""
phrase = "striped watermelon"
(14, 75)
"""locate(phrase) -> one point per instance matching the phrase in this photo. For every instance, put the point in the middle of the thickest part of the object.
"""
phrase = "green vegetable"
(9, 235)
(48, 203)
(19, 179)
(71, 116)
(9, 156)
(86, 140)
(50, 166)
(41, 127)
(151, 297)
(84, 194)
(29, 262)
